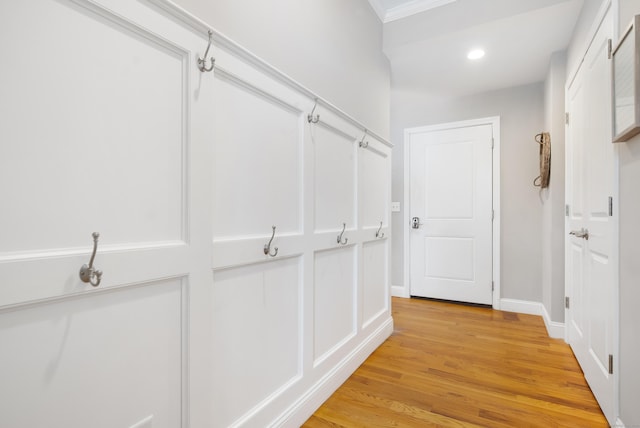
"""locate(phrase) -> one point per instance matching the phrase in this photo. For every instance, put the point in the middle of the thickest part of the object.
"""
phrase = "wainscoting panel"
(257, 175)
(375, 274)
(256, 335)
(122, 167)
(335, 176)
(334, 300)
(101, 360)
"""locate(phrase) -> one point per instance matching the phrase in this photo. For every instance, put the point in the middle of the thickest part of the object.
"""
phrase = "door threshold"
(455, 302)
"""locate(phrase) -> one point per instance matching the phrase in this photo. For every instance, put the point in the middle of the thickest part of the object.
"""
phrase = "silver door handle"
(582, 233)
(415, 223)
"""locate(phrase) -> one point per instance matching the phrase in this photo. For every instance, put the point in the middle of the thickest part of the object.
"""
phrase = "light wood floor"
(449, 365)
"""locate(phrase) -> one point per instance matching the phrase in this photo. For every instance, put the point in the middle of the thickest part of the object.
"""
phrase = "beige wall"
(333, 47)
(521, 115)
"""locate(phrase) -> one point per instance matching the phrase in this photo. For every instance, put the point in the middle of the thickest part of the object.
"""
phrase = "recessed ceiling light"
(475, 54)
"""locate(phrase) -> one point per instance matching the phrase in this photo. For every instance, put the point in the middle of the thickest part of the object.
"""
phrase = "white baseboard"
(400, 291)
(554, 329)
(619, 424)
(309, 402)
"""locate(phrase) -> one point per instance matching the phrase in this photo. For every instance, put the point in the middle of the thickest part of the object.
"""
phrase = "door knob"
(582, 233)
(415, 223)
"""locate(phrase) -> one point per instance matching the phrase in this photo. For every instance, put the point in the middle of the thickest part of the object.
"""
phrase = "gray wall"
(521, 114)
(629, 158)
(333, 47)
(552, 198)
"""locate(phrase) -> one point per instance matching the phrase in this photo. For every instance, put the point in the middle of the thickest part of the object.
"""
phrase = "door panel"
(451, 195)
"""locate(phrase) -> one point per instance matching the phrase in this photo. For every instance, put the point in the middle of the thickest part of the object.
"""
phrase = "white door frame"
(408, 132)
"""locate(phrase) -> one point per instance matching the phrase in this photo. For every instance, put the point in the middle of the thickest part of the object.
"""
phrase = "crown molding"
(407, 9)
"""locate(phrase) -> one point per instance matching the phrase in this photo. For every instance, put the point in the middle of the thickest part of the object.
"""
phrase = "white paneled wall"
(186, 175)
(288, 321)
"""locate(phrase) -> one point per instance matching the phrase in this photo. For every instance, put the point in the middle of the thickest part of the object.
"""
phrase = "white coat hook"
(340, 241)
(202, 61)
(380, 234)
(267, 247)
(362, 143)
(310, 117)
(87, 272)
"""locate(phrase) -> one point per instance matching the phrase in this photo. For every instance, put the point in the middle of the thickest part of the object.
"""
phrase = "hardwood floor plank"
(449, 365)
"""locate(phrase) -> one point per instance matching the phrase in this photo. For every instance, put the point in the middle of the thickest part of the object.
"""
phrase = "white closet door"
(591, 256)
(91, 145)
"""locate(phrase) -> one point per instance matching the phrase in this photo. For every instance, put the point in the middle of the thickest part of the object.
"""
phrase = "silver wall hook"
(202, 61)
(87, 272)
(267, 247)
(362, 143)
(378, 234)
(310, 117)
(340, 241)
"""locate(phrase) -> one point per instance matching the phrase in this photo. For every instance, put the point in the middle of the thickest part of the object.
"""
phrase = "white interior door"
(90, 144)
(451, 211)
(590, 280)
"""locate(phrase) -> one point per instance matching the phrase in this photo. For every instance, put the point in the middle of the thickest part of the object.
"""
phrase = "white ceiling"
(428, 45)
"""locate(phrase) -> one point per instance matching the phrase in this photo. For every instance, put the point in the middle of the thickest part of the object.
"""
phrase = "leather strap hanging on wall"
(544, 140)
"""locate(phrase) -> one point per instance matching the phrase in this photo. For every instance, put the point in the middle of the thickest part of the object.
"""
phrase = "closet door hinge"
(610, 364)
(493, 143)
(610, 206)
(566, 210)
(493, 286)
(609, 48)
(567, 302)
(566, 118)
(493, 215)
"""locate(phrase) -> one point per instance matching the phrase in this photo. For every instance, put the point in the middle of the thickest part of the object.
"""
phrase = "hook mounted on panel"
(340, 240)
(379, 233)
(202, 61)
(310, 117)
(87, 272)
(362, 143)
(267, 247)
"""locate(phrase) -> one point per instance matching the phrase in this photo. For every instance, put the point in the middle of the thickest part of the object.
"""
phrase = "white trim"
(554, 329)
(619, 423)
(411, 8)
(379, 9)
(522, 306)
(494, 121)
(400, 291)
(308, 403)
